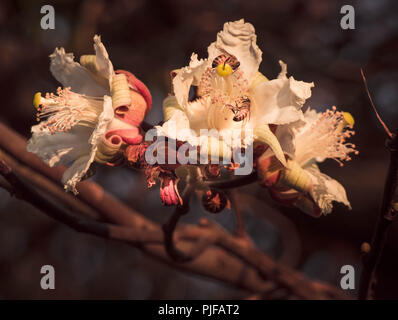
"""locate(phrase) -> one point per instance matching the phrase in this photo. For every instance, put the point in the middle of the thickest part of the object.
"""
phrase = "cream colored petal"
(286, 134)
(264, 135)
(283, 73)
(187, 76)
(257, 79)
(79, 168)
(120, 93)
(170, 105)
(177, 127)
(71, 74)
(59, 148)
(105, 67)
(214, 148)
(75, 173)
(239, 39)
(197, 112)
(326, 190)
(279, 101)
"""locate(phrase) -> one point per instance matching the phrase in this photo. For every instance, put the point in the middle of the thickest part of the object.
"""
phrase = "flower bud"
(215, 201)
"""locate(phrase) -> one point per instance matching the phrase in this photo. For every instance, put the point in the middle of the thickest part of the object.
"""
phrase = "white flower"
(227, 79)
(75, 120)
(320, 136)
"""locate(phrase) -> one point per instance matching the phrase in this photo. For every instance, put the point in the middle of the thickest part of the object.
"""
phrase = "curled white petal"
(239, 39)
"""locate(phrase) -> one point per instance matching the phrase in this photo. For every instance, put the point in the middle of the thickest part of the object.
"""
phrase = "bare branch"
(24, 192)
(170, 226)
(234, 183)
(218, 255)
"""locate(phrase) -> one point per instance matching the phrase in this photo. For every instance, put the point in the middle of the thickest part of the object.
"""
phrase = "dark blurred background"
(150, 38)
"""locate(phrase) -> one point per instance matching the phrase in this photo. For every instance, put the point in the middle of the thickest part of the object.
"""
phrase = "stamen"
(65, 109)
(326, 138)
(222, 90)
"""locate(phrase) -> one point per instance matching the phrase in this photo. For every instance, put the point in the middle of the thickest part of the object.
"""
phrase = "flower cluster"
(97, 116)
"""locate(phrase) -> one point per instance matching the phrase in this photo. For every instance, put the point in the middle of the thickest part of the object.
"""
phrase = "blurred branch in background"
(225, 257)
(389, 207)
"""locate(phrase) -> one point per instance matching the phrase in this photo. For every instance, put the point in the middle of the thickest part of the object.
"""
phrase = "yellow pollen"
(224, 69)
(348, 119)
(37, 99)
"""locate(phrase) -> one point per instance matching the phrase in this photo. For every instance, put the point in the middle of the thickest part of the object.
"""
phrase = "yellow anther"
(37, 99)
(348, 119)
(224, 69)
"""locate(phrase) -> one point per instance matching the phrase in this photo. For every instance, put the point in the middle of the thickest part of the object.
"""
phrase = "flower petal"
(286, 135)
(279, 101)
(239, 39)
(264, 135)
(170, 105)
(187, 76)
(71, 74)
(79, 168)
(197, 113)
(60, 148)
(177, 127)
(105, 67)
(168, 189)
(325, 190)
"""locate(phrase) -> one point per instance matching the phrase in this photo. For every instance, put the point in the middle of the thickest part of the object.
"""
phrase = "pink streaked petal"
(140, 86)
(168, 191)
(130, 136)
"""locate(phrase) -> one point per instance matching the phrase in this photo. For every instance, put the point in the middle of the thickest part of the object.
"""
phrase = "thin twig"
(388, 132)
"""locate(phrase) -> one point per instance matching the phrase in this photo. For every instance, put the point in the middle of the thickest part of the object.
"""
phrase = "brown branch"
(240, 229)
(371, 256)
(243, 248)
(49, 187)
(234, 183)
(170, 226)
(24, 192)
(247, 267)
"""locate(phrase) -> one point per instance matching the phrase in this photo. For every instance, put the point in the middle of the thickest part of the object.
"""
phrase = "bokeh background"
(150, 38)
